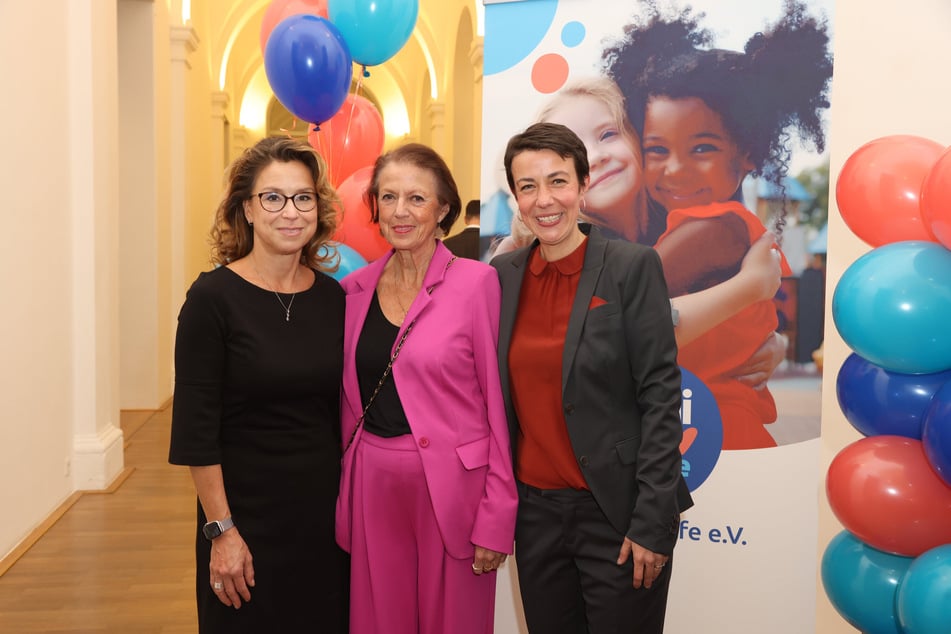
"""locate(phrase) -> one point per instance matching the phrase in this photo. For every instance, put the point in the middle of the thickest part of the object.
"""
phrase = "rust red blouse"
(545, 457)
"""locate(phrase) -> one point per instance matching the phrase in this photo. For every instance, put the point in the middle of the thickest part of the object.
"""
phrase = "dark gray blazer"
(620, 385)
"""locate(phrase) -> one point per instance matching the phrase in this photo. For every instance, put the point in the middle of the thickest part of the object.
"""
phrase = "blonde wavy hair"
(605, 90)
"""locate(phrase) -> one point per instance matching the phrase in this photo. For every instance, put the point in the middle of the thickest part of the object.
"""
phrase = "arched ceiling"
(236, 63)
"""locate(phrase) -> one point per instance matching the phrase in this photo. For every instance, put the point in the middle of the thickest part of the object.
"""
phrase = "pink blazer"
(447, 376)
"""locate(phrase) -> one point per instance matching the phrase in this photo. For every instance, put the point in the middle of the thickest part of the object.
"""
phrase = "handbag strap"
(386, 372)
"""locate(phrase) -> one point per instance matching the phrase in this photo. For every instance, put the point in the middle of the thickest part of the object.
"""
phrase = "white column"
(436, 111)
(221, 148)
(93, 174)
(183, 42)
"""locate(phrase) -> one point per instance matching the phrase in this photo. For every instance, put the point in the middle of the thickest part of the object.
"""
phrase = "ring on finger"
(218, 585)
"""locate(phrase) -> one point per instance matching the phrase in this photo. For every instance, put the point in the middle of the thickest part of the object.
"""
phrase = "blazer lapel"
(435, 274)
(358, 305)
(511, 276)
(590, 272)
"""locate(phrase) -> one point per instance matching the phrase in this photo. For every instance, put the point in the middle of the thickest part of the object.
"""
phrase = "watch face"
(211, 530)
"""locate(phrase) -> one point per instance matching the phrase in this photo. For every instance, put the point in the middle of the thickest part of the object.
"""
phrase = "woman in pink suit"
(427, 498)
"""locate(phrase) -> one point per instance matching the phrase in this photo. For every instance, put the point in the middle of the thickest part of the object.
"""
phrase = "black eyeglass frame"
(260, 196)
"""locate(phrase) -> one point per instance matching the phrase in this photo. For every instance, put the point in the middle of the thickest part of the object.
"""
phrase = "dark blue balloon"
(308, 66)
(936, 434)
(878, 401)
(924, 597)
(862, 583)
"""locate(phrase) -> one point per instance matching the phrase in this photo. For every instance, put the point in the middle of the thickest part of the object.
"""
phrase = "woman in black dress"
(258, 362)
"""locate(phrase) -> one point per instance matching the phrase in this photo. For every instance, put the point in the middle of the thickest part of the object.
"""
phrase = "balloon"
(375, 30)
(892, 306)
(350, 139)
(308, 66)
(280, 9)
(924, 596)
(936, 199)
(355, 229)
(862, 583)
(348, 260)
(885, 493)
(936, 435)
(879, 188)
(877, 401)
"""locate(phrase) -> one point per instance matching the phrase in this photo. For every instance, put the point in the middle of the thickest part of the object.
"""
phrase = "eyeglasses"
(276, 201)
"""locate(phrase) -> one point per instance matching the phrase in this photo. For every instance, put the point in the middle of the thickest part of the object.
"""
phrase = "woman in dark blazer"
(592, 391)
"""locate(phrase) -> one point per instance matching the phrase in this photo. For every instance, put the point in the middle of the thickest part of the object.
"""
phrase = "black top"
(260, 396)
(385, 417)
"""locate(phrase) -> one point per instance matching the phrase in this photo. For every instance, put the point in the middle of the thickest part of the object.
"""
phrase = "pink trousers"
(402, 580)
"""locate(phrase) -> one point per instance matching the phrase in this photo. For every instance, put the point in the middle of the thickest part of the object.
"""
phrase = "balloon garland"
(889, 572)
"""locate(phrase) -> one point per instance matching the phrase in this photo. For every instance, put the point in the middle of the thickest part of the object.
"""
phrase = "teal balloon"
(349, 260)
(892, 306)
(375, 30)
(862, 583)
(924, 597)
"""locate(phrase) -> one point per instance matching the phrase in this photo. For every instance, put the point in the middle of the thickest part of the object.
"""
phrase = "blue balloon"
(862, 583)
(308, 66)
(892, 307)
(877, 401)
(924, 597)
(375, 30)
(936, 435)
(349, 260)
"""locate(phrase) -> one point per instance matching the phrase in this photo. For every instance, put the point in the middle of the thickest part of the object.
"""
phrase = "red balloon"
(350, 139)
(355, 229)
(280, 9)
(879, 188)
(885, 493)
(936, 199)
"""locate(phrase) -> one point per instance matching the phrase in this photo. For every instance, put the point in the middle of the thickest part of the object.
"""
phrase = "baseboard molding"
(24, 546)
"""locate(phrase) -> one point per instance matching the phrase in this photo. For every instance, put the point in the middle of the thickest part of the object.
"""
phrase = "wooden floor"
(120, 562)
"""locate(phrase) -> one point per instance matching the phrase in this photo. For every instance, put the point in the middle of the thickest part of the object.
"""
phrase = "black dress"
(260, 396)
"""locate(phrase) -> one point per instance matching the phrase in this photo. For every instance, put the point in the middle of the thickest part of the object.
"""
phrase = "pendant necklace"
(287, 306)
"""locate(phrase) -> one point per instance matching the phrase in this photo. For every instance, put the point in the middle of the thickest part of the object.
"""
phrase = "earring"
(582, 203)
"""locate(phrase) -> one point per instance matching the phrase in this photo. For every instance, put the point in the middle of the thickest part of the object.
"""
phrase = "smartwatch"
(216, 528)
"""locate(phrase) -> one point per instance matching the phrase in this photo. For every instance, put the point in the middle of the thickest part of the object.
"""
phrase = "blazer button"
(583, 460)
(569, 408)
(424, 442)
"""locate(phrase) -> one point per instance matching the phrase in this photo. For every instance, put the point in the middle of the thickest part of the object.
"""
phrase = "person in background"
(589, 371)
(466, 243)
(427, 497)
(258, 363)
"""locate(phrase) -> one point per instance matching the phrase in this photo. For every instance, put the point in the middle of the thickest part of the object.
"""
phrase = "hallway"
(120, 562)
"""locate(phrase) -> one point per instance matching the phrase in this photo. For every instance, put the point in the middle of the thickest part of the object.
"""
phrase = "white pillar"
(436, 111)
(183, 42)
(93, 174)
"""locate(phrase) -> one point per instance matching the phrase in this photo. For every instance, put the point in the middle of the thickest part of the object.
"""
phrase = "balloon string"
(353, 107)
(291, 129)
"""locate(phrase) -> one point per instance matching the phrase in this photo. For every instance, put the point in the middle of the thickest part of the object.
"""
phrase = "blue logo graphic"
(513, 30)
(703, 430)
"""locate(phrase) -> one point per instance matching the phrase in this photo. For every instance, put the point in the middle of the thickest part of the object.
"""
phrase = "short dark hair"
(423, 157)
(473, 209)
(548, 136)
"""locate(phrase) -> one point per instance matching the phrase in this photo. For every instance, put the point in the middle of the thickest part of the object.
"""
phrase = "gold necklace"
(287, 306)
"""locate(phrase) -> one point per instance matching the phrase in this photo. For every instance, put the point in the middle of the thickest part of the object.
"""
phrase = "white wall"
(59, 371)
(888, 80)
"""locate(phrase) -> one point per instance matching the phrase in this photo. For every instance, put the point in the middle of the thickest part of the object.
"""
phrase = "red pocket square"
(595, 302)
